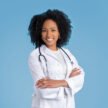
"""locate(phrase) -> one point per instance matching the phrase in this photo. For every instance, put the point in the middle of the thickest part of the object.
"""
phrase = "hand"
(75, 72)
(50, 83)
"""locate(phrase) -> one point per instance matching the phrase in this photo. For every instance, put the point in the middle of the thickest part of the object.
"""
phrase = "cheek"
(43, 35)
(57, 36)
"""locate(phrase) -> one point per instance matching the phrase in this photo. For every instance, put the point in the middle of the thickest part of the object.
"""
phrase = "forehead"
(49, 22)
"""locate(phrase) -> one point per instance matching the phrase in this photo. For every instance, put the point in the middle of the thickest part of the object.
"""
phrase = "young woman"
(56, 74)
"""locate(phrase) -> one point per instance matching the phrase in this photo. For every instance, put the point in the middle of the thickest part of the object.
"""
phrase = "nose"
(48, 33)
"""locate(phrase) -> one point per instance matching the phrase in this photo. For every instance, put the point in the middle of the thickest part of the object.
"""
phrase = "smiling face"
(50, 34)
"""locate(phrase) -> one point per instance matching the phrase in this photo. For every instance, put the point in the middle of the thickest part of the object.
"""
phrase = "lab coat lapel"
(68, 63)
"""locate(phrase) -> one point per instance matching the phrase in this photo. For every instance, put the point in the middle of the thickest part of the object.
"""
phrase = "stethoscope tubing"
(41, 55)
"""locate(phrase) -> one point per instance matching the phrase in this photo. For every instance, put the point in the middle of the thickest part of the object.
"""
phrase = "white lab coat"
(54, 97)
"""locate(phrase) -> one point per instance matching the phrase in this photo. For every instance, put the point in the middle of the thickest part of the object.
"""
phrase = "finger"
(44, 82)
(42, 85)
(75, 73)
(75, 69)
(40, 80)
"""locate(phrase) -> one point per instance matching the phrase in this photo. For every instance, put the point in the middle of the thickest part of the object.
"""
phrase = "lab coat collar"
(49, 52)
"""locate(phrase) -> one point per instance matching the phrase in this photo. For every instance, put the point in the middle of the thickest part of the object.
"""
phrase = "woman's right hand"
(75, 72)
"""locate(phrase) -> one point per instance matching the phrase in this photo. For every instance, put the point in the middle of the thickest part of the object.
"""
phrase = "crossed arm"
(50, 83)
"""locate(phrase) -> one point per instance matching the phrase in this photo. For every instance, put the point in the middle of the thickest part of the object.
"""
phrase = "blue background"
(88, 43)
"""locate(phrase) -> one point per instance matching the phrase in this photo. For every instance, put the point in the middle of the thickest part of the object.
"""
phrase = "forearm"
(50, 83)
(49, 89)
(63, 83)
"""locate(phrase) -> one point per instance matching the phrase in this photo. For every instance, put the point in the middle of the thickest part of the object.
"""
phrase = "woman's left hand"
(50, 83)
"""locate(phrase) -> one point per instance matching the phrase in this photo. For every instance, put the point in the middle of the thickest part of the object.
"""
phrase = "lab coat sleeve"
(75, 83)
(37, 73)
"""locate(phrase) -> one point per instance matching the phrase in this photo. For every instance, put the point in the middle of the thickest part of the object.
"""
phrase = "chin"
(49, 44)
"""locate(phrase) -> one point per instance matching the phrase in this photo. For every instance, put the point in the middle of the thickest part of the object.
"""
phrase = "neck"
(54, 48)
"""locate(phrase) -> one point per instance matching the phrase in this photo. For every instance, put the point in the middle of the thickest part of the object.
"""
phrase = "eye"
(43, 30)
(53, 30)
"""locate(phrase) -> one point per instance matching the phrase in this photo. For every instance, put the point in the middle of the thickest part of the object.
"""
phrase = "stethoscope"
(42, 56)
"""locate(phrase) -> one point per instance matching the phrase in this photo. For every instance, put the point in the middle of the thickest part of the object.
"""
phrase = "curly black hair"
(62, 21)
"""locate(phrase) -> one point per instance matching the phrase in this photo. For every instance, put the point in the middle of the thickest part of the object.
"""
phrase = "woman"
(56, 74)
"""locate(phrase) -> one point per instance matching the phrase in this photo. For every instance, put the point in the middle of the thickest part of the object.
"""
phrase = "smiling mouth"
(49, 40)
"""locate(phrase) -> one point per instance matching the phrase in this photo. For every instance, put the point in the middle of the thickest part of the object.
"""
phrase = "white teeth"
(49, 39)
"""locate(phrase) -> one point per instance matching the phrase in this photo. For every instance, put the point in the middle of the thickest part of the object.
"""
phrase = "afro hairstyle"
(59, 17)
